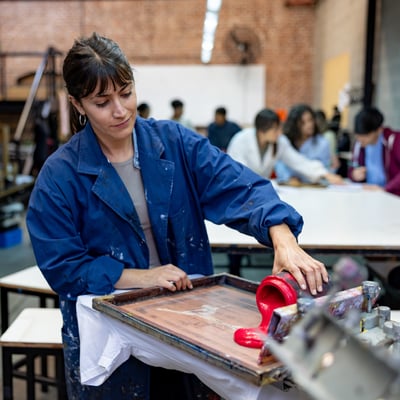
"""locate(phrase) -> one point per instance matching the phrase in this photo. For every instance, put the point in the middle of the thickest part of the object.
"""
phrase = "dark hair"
(320, 119)
(176, 103)
(291, 127)
(367, 120)
(221, 111)
(143, 110)
(91, 61)
(143, 107)
(266, 119)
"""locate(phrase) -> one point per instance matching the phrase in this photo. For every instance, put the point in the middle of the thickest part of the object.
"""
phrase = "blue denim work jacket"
(84, 227)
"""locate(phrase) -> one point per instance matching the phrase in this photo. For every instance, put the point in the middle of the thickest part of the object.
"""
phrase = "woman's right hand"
(167, 276)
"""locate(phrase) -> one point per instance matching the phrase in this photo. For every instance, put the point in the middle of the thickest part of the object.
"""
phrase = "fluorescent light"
(214, 5)
(205, 57)
(207, 46)
(210, 21)
(210, 26)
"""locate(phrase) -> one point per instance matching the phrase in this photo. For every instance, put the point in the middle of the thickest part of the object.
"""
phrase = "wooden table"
(15, 189)
(35, 333)
(28, 281)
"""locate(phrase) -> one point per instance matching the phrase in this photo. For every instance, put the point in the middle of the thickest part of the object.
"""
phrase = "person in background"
(143, 110)
(376, 152)
(301, 129)
(221, 131)
(344, 152)
(43, 135)
(330, 136)
(261, 147)
(177, 114)
(335, 122)
(122, 205)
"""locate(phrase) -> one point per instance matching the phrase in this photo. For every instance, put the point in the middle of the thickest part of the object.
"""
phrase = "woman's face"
(112, 113)
(307, 125)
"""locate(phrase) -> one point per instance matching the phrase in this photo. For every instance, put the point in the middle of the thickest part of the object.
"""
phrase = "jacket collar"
(90, 156)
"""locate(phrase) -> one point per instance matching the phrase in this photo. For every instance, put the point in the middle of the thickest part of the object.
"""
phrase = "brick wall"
(169, 32)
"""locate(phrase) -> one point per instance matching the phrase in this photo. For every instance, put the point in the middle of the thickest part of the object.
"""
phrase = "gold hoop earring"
(82, 119)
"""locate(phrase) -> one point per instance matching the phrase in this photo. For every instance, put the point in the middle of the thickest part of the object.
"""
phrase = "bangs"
(100, 74)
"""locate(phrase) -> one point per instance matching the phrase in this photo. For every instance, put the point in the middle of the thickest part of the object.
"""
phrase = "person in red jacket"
(376, 152)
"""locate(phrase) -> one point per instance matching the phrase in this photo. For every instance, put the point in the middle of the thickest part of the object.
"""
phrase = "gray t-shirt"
(132, 179)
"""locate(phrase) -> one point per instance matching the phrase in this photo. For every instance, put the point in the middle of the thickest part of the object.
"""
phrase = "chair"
(35, 333)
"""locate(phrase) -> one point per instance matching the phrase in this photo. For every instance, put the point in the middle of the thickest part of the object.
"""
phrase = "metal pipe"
(369, 54)
(29, 101)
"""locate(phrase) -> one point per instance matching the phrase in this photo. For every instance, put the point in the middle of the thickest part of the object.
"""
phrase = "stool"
(29, 281)
(35, 333)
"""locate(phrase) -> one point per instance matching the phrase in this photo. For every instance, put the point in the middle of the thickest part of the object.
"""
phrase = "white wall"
(340, 30)
(241, 89)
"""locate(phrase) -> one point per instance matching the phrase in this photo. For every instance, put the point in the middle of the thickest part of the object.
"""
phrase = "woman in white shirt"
(259, 148)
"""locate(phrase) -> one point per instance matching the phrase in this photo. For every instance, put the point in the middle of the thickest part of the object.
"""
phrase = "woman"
(122, 205)
(330, 135)
(301, 129)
